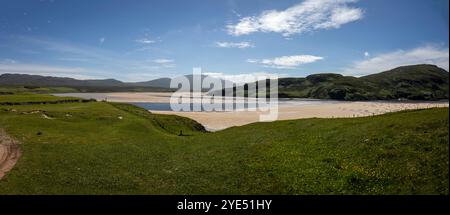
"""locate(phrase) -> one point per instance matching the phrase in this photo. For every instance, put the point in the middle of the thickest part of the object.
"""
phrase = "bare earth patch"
(9, 152)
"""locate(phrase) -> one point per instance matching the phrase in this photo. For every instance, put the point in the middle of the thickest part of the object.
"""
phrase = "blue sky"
(142, 40)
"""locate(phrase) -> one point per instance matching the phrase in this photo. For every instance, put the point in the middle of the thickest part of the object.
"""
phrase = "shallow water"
(160, 101)
(167, 107)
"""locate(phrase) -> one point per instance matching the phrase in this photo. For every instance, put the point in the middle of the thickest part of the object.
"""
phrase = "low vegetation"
(30, 97)
(416, 82)
(419, 82)
(110, 148)
(9, 90)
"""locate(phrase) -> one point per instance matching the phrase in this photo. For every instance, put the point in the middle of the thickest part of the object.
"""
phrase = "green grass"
(107, 148)
(31, 97)
(42, 90)
(417, 82)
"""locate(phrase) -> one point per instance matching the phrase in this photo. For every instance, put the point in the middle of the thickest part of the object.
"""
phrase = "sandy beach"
(159, 97)
(215, 121)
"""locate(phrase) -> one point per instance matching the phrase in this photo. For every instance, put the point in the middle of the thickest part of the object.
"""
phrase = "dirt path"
(9, 152)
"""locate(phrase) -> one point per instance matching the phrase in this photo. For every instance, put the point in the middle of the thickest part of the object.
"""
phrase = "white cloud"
(286, 62)
(101, 40)
(244, 77)
(240, 45)
(252, 60)
(163, 61)
(236, 13)
(145, 41)
(366, 54)
(383, 62)
(310, 15)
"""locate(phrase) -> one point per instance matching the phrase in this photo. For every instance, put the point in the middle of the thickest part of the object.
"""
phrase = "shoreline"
(287, 109)
(216, 121)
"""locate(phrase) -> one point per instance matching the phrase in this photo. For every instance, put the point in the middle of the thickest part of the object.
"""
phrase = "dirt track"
(9, 152)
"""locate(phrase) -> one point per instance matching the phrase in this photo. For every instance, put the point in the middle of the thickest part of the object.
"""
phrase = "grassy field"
(42, 90)
(31, 97)
(107, 148)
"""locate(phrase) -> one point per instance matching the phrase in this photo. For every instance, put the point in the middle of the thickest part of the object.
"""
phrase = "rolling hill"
(160, 82)
(103, 85)
(416, 82)
(112, 148)
(48, 81)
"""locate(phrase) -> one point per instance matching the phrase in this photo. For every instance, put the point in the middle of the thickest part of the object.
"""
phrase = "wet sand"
(214, 121)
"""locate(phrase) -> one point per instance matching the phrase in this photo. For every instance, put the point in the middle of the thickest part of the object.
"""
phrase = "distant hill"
(160, 82)
(223, 82)
(416, 82)
(104, 85)
(37, 80)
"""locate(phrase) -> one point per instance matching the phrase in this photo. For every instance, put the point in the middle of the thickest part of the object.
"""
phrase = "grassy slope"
(29, 97)
(416, 82)
(22, 89)
(88, 149)
(76, 89)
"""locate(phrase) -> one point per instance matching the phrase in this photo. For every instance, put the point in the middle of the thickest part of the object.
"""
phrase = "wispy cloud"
(252, 60)
(163, 61)
(145, 41)
(286, 62)
(7, 61)
(240, 45)
(91, 60)
(422, 55)
(66, 48)
(244, 77)
(74, 59)
(101, 40)
(310, 15)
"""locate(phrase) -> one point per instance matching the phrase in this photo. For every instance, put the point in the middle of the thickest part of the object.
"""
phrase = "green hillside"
(418, 82)
(107, 148)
